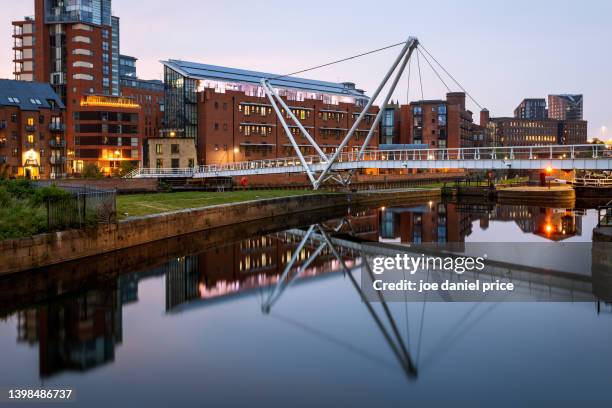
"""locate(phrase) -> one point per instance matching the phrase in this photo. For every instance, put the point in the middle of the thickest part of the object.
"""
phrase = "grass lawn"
(144, 204)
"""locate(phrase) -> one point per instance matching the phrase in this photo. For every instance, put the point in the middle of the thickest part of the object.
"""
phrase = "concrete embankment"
(562, 195)
(54, 248)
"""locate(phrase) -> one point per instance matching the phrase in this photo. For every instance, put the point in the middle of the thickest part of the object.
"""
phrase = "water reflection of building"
(432, 222)
(550, 223)
(254, 262)
(77, 333)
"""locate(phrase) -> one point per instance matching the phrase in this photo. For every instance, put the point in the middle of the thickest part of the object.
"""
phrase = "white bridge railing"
(438, 158)
(588, 151)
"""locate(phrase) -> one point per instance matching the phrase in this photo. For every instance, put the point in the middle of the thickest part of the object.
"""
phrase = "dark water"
(190, 329)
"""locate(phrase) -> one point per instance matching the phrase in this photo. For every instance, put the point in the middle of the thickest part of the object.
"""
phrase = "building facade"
(74, 46)
(565, 107)
(438, 123)
(171, 152)
(531, 132)
(32, 125)
(531, 108)
(227, 114)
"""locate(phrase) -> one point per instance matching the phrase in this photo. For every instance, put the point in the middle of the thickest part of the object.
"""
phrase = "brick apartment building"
(74, 46)
(438, 123)
(225, 111)
(535, 125)
(565, 107)
(32, 143)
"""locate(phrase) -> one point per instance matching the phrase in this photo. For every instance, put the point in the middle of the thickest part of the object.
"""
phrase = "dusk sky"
(501, 52)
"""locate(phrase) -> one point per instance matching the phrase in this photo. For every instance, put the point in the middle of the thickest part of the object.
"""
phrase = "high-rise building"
(531, 108)
(74, 45)
(225, 111)
(32, 143)
(565, 107)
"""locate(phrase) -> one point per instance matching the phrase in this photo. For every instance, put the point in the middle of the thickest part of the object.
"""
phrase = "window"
(13, 99)
(30, 121)
(190, 162)
(15, 152)
(81, 51)
(30, 138)
(82, 64)
(216, 126)
(158, 149)
(13, 117)
(104, 45)
(81, 38)
(174, 149)
(175, 163)
(84, 77)
(159, 163)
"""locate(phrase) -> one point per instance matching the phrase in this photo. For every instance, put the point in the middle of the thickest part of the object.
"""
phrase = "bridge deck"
(566, 157)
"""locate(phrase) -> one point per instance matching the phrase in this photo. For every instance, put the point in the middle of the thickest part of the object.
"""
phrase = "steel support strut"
(270, 92)
(408, 48)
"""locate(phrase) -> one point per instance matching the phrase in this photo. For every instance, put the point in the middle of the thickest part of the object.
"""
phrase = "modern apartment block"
(531, 108)
(438, 123)
(74, 46)
(565, 107)
(532, 132)
(225, 111)
(149, 94)
(32, 143)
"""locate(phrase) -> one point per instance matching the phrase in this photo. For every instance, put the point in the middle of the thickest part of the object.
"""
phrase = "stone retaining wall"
(53, 248)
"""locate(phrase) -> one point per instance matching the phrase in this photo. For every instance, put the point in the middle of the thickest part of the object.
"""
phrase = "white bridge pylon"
(317, 179)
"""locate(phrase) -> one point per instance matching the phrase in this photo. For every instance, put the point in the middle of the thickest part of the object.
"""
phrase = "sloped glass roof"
(196, 70)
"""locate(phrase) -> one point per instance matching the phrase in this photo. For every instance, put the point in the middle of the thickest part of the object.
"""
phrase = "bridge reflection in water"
(79, 332)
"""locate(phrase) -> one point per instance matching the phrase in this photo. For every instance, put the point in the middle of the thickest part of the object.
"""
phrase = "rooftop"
(196, 70)
(29, 96)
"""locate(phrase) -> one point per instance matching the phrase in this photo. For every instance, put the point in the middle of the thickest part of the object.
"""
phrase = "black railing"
(84, 206)
(56, 127)
(604, 215)
(56, 144)
(30, 128)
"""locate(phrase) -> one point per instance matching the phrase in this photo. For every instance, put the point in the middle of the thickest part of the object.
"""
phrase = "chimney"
(484, 117)
(456, 98)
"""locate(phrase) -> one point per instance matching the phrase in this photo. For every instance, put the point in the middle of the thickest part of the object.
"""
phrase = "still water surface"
(191, 330)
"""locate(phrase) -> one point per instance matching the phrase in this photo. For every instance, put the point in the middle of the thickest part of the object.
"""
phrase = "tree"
(91, 170)
(126, 167)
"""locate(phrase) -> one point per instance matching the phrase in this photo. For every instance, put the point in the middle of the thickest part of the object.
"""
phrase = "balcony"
(56, 127)
(55, 144)
(29, 145)
(30, 128)
(57, 159)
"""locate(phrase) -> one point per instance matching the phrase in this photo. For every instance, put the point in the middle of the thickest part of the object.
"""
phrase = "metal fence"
(604, 215)
(85, 206)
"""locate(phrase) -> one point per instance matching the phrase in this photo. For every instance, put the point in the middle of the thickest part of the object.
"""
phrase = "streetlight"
(549, 170)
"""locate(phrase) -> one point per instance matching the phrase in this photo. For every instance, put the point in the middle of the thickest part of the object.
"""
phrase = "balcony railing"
(56, 127)
(30, 128)
(57, 159)
(29, 145)
(57, 144)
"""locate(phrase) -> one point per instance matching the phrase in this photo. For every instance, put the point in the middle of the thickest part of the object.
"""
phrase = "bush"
(91, 170)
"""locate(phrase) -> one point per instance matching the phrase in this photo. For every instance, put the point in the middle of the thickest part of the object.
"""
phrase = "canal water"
(211, 326)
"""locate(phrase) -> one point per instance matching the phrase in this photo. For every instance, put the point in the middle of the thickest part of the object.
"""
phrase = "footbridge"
(340, 165)
(565, 157)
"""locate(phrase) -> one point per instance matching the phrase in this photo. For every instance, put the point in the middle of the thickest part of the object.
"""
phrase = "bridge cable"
(408, 83)
(340, 60)
(420, 78)
(434, 70)
(451, 77)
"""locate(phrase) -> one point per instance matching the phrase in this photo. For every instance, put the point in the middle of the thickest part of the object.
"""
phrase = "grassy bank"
(22, 208)
(145, 204)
